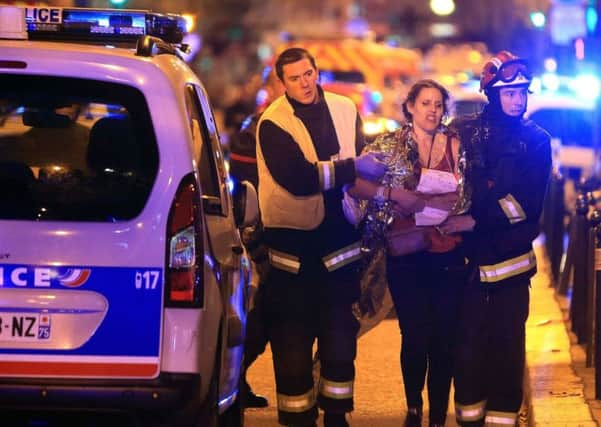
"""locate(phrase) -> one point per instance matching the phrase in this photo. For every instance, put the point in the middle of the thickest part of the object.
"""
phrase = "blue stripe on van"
(132, 324)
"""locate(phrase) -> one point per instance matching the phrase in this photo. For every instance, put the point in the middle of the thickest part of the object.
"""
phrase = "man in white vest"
(307, 150)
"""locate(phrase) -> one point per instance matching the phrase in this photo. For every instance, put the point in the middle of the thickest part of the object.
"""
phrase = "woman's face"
(427, 110)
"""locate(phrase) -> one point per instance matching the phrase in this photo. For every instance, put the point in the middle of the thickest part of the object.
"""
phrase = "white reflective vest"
(280, 208)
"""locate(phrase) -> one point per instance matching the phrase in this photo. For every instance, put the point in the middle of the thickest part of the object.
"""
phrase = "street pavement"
(560, 386)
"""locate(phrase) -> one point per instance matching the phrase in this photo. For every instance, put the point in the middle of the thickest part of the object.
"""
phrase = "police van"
(123, 279)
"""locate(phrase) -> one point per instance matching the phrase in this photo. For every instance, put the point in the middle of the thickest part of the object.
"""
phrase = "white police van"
(122, 275)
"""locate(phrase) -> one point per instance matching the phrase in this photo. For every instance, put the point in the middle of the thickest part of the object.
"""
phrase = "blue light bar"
(102, 25)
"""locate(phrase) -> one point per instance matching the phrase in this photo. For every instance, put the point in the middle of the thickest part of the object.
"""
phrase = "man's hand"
(370, 167)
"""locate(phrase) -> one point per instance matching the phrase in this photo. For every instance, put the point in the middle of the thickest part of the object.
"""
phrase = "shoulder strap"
(449, 154)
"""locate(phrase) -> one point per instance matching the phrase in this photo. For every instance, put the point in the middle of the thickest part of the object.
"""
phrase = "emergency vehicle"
(357, 67)
(361, 61)
(123, 279)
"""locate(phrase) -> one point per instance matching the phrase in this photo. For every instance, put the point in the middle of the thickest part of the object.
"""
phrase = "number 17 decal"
(147, 279)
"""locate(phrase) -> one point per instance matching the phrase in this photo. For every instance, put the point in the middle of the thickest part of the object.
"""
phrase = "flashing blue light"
(586, 86)
(550, 81)
(118, 2)
(261, 97)
(376, 97)
(96, 24)
(326, 77)
(538, 19)
(229, 182)
(591, 19)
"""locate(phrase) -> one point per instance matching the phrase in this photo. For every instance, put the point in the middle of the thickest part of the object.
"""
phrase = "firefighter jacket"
(279, 206)
(305, 154)
(508, 166)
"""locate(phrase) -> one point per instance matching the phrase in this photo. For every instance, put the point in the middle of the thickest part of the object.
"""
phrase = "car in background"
(465, 99)
(570, 120)
(123, 279)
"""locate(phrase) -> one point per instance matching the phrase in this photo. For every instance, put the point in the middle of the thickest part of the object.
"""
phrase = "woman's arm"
(408, 202)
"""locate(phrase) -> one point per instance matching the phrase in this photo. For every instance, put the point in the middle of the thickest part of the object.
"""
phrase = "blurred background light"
(586, 86)
(538, 19)
(442, 30)
(442, 7)
(550, 81)
(550, 65)
(579, 49)
(190, 21)
(536, 85)
(592, 18)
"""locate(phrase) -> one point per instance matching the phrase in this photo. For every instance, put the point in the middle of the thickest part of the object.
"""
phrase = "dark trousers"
(256, 333)
(490, 354)
(298, 313)
(425, 289)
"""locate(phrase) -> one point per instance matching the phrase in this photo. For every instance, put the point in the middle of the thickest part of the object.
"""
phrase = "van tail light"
(184, 263)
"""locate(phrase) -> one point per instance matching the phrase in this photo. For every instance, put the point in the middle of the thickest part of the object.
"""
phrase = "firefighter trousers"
(490, 357)
(293, 327)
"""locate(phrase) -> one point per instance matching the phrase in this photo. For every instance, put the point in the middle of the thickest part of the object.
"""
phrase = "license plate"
(24, 327)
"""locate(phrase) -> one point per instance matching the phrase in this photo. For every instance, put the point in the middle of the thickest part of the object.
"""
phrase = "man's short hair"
(289, 56)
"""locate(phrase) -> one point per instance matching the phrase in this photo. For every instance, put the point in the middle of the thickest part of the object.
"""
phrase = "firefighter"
(308, 140)
(509, 160)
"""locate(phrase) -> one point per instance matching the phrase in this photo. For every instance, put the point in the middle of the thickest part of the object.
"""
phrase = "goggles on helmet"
(509, 73)
(510, 70)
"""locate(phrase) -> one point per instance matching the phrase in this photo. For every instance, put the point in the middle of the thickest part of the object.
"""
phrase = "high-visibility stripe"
(342, 257)
(284, 261)
(498, 419)
(336, 55)
(473, 412)
(336, 390)
(509, 268)
(299, 403)
(353, 54)
(513, 210)
(243, 159)
(327, 175)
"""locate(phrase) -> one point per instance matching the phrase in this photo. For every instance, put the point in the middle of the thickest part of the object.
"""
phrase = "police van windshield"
(73, 150)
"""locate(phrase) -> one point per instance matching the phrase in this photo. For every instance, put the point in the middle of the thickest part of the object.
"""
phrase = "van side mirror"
(246, 204)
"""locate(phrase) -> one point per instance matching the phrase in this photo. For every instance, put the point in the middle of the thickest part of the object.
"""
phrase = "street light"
(442, 7)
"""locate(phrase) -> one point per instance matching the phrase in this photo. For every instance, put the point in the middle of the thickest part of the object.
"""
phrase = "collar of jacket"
(299, 105)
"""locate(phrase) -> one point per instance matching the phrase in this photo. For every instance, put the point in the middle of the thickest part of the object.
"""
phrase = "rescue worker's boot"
(249, 399)
(335, 419)
(414, 417)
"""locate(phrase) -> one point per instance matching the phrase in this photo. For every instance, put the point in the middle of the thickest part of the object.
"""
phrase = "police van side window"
(74, 150)
(213, 135)
(201, 145)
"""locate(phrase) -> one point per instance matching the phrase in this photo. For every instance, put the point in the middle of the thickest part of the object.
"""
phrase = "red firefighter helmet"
(504, 69)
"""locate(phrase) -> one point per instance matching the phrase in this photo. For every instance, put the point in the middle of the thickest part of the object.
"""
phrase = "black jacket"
(507, 159)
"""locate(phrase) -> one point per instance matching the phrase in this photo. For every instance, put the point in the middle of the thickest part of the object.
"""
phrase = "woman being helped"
(424, 285)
